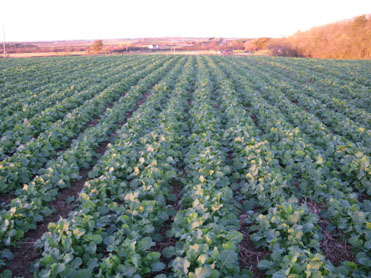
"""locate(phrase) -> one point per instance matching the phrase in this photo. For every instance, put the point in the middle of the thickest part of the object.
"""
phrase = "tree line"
(350, 39)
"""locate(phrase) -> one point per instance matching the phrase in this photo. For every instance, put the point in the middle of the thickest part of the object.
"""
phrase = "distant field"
(45, 54)
(185, 166)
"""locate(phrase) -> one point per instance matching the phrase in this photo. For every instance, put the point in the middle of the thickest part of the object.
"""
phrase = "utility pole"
(4, 41)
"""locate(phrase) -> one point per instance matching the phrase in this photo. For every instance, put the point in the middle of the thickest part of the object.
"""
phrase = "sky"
(46, 20)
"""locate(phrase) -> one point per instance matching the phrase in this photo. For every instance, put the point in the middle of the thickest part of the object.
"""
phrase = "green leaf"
(160, 276)
(76, 262)
(350, 265)
(279, 275)
(235, 236)
(156, 267)
(72, 273)
(127, 270)
(227, 259)
(91, 248)
(7, 254)
(83, 273)
(6, 274)
(68, 257)
(92, 263)
(97, 239)
(70, 199)
(148, 229)
(363, 259)
(145, 244)
(170, 174)
(245, 273)
(135, 259)
(264, 264)
(308, 227)
(60, 268)
(168, 252)
(214, 274)
(341, 270)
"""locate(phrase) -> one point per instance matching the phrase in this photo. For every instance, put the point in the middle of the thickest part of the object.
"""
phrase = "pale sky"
(34, 20)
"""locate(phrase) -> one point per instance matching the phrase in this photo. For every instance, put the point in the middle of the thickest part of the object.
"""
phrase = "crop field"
(185, 166)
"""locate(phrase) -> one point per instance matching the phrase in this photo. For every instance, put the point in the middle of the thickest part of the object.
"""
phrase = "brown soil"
(335, 249)
(7, 198)
(94, 122)
(249, 255)
(142, 100)
(230, 156)
(253, 117)
(26, 253)
(361, 197)
(165, 242)
(176, 188)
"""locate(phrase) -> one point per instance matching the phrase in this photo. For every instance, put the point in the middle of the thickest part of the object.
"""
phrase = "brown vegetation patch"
(230, 155)
(361, 197)
(93, 122)
(335, 249)
(297, 185)
(175, 188)
(142, 100)
(166, 240)
(249, 255)
(7, 198)
(189, 103)
(253, 117)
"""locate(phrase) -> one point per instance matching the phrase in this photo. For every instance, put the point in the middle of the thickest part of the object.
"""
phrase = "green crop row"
(24, 164)
(122, 206)
(28, 129)
(22, 108)
(211, 167)
(33, 204)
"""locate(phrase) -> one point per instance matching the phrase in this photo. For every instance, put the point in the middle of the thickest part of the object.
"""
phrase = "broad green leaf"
(145, 244)
(127, 270)
(168, 252)
(227, 259)
(264, 264)
(156, 267)
(7, 254)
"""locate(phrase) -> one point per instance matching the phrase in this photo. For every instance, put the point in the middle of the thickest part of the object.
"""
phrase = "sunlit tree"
(97, 46)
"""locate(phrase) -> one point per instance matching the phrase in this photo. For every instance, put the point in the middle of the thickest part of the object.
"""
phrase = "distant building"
(153, 46)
